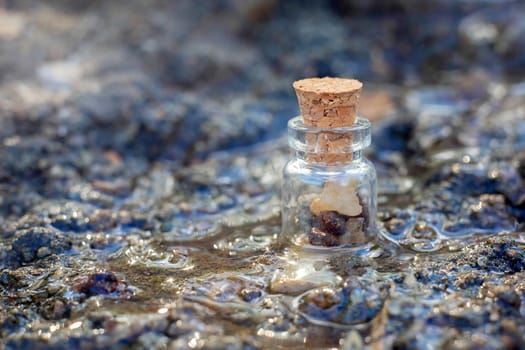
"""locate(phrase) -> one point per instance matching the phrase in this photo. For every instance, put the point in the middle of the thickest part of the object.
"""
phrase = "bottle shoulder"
(299, 166)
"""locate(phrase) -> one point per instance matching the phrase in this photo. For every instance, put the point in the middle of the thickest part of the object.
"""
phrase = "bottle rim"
(339, 140)
(361, 125)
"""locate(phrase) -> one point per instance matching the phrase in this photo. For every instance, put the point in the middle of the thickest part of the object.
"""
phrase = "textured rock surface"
(141, 148)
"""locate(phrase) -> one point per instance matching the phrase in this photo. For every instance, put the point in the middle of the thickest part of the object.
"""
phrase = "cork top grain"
(328, 102)
(328, 85)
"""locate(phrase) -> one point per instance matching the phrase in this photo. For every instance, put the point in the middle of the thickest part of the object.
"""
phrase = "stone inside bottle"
(339, 216)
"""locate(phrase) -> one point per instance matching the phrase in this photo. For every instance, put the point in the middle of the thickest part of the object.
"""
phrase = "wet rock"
(56, 309)
(101, 283)
(486, 213)
(461, 320)
(250, 294)
(118, 188)
(467, 179)
(227, 294)
(437, 280)
(100, 319)
(153, 146)
(497, 255)
(398, 222)
(412, 338)
(12, 322)
(72, 218)
(301, 277)
(469, 280)
(102, 220)
(508, 299)
(347, 265)
(469, 270)
(354, 303)
(9, 279)
(323, 299)
(184, 319)
(291, 287)
(39, 242)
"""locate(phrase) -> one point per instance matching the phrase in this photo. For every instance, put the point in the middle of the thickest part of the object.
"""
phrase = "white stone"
(337, 197)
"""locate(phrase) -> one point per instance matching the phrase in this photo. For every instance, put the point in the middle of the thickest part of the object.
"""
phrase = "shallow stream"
(141, 166)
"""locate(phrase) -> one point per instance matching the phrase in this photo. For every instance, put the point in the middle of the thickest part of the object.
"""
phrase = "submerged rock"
(38, 243)
(353, 304)
(101, 283)
(497, 255)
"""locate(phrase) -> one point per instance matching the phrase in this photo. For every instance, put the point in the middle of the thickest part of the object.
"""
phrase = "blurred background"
(176, 80)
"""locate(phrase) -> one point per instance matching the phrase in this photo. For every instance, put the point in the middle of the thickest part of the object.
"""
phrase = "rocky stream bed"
(141, 147)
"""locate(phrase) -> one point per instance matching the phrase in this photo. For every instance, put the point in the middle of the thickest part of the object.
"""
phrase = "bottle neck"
(329, 146)
(329, 159)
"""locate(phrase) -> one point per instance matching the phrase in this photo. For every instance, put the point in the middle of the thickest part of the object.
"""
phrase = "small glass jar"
(329, 189)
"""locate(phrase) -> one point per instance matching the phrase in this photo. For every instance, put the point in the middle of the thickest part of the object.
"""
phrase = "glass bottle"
(329, 193)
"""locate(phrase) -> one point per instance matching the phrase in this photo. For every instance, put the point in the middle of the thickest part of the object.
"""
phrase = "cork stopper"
(328, 103)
